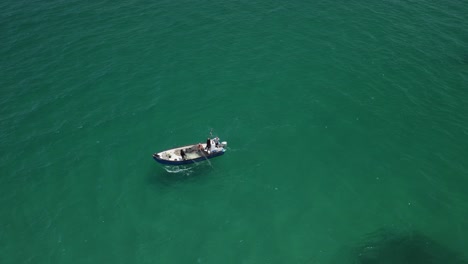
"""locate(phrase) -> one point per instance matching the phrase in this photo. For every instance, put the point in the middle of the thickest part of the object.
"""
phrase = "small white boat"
(191, 153)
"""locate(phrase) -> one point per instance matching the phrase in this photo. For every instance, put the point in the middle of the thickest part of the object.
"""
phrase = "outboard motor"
(223, 144)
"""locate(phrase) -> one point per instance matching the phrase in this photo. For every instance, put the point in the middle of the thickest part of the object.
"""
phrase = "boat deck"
(193, 153)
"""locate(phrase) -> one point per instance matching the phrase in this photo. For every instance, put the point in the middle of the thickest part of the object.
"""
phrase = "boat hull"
(187, 161)
(191, 153)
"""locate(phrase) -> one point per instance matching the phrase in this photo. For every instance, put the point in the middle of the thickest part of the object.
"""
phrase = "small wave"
(183, 170)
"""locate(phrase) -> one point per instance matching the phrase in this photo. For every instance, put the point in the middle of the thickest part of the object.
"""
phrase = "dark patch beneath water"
(393, 247)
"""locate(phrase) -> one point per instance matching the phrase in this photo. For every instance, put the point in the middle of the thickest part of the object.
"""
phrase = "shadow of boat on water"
(172, 175)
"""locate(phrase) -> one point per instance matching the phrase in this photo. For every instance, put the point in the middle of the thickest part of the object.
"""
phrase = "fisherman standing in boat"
(208, 144)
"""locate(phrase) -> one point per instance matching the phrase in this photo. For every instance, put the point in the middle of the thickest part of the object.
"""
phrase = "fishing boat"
(191, 153)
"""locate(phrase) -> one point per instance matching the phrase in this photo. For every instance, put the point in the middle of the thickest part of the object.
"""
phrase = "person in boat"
(182, 154)
(208, 144)
(216, 141)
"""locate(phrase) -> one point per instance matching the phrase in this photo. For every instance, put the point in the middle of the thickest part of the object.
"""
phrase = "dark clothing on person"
(182, 154)
(208, 144)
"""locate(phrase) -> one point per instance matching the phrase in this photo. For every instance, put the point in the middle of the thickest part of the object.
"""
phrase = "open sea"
(346, 123)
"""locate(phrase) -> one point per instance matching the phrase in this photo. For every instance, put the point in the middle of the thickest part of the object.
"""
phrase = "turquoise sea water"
(346, 122)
